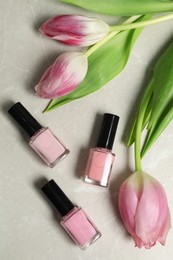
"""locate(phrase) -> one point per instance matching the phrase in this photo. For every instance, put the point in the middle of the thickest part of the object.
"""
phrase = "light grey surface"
(28, 228)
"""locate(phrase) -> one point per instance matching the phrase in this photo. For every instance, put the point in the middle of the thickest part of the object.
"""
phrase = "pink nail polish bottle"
(42, 140)
(101, 158)
(74, 220)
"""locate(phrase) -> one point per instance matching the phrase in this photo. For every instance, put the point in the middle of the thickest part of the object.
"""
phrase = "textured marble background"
(28, 226)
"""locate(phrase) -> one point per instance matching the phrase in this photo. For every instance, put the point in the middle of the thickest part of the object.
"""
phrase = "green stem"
(139, 123)
(109, 36)
(138, 166)
(141, 24)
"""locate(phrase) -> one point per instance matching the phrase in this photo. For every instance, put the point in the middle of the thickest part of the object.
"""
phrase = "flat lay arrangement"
(109, 150)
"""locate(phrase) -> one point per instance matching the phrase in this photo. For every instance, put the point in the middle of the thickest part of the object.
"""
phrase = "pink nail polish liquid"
(101, 158)
(42, 140)
(74, 220)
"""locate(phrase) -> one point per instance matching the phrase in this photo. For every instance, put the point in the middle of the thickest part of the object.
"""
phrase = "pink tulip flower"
(144, 210)
(63, 76)
(75, 30)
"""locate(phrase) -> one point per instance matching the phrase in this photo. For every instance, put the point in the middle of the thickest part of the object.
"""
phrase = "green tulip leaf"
(131, 137)
(163, 87)
(103, 65)
(156, 106)
(124, 7)
(156, 132)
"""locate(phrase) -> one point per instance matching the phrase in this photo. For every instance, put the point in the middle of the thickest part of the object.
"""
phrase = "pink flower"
(144, 210)
(75, 30)
(63, 76)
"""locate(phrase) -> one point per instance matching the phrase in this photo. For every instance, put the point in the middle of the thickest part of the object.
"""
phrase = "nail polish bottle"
(74, 220)
(101, 158)
(42, 140)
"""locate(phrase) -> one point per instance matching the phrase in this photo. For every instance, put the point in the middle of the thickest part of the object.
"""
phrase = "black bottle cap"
(57, 197)
(108, 131)
(24, 119)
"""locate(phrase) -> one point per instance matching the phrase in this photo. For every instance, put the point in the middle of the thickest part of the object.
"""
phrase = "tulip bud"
(144, 210)
(75, 30)
(63, 76)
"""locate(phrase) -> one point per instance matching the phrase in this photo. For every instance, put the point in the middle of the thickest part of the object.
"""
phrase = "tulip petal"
(147, 212)
(144, 209)
(166, 226)
(127, 201)
(75, 30)
(63, 76)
